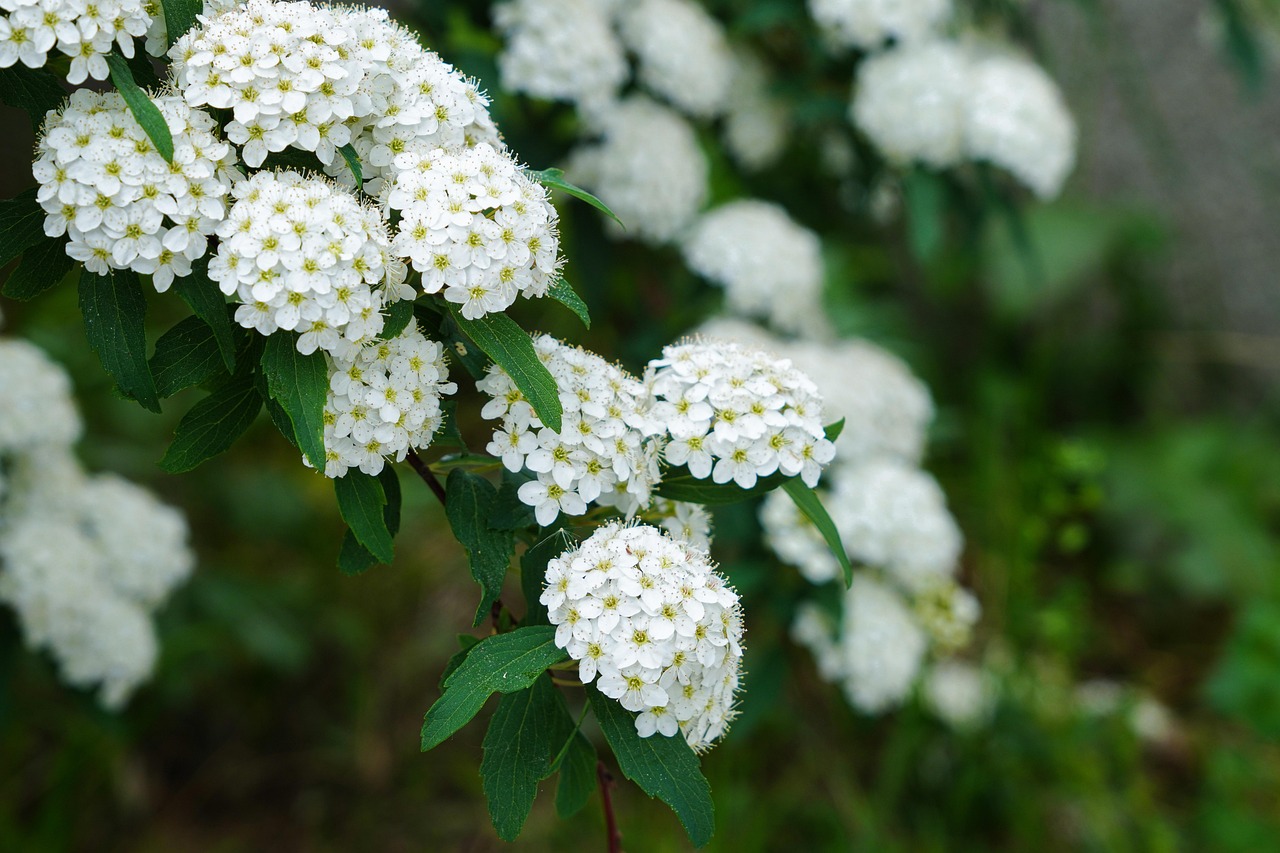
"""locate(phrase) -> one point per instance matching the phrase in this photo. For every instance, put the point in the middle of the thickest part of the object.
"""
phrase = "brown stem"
(610, 822)
(424, 471)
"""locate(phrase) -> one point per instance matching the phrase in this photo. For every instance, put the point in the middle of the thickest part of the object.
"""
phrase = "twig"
(610, 822)
(424, 471)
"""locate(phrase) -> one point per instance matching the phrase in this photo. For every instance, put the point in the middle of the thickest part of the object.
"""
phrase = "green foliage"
(503, 663)
(563, 292)
(523, 735)
(114, 311)
(354, 558)
(35, 90)
(142, 107)
(349, 154)
(398, 316)
(533, 572)
(577, 775)
(807, 502)
(43, 265)
(213, 424)
(186, 355)
(553, 179)
(1244, 685)
(21, 225)
(362, 501)
(469, 502)
(300, 384)
(511, 348)
(179, 16)
(663, 767)
(208, 303)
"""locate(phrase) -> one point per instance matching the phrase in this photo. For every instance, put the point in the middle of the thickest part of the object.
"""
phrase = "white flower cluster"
(647, 167)
(319, 77)
(83, 561)
(653, 620)
(103, 183)
(869, 23)
(756, 124)
(477, 228)
(157, 43)
(85, 31)
(683, 53)
(303, 254)
(603, 452)
(688, 522)
(384, 398)
(563, 50)
(737, 413)
(877, 652)
(769, 265)
(941, 103)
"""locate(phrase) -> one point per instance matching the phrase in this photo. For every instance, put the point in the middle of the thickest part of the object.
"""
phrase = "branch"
(610, 822)
(424, 471)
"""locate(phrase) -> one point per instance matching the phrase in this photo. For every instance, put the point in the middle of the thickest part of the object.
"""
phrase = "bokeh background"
(1104, 369)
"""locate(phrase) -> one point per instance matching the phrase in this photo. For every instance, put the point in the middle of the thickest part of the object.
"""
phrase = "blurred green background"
(1104, 368)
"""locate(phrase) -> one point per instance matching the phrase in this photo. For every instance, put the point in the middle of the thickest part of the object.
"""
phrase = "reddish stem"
(424, 471)
(610, 822)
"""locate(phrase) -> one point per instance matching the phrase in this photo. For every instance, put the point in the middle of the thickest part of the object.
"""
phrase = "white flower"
(103, 183)
(910, 102)
(869, 23)
(384, 399)
(316, 257)
(756, 124)
(647, 167)
(769, 265)
(479, 229)
(85, 31)
(604, 452)
(961, 694)
(651, 622)
(683, 53)
(760, 415)
(35, 397)
(685, 521)
(562, 50)
(1015, 117)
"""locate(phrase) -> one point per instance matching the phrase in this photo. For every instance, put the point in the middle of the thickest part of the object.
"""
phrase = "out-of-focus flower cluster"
(84, 560)
(651, 622)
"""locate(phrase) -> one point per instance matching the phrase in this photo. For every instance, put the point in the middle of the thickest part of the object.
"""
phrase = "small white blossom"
(85, 31)
(869, 23)
(651, 622)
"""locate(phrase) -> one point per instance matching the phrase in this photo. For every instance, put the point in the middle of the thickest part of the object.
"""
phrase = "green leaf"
(577, 776)
(517, 753)
(361, 500)
(207, 302)
(806, 500)
(563, 292)
(354, 558)
(186, 355)
(349, 154)
(466, 643)
(35, 90)
(834, 430)
(213, 424)
(114, 310)
(469, 502)
(663, 767)
(533, 572)
(679, 485)
(509, 512)
(42, 266)
(398, 316)
(553, 179)
(180, 16)
(512, 349)
(142, 107)
(21, 225)
(503, 663)
(926, 212)
(300, 384)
